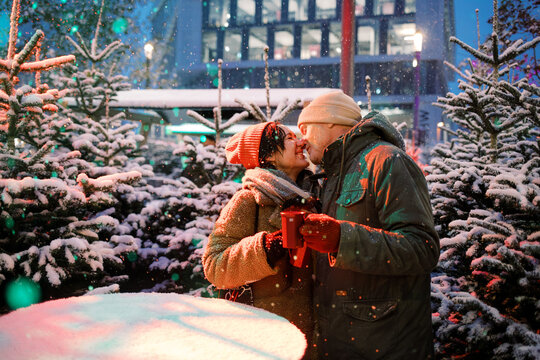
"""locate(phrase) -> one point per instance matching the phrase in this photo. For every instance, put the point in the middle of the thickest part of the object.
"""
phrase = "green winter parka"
(372, 297)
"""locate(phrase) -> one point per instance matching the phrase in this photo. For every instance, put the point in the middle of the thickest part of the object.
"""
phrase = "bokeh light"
(120, 25)
(4, 28)
(22, 292)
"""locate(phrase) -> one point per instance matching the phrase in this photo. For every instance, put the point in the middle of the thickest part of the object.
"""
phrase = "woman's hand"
(273, 246)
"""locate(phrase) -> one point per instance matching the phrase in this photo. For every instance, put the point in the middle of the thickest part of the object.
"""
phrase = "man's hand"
(321, 232)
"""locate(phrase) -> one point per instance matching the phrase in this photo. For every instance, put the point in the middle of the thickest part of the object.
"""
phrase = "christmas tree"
(50, 211)
(486, 199)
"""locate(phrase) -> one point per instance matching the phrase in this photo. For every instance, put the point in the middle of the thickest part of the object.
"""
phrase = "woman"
(245, 246)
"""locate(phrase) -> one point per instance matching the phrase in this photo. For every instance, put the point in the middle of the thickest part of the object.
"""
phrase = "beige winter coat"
(235, 256)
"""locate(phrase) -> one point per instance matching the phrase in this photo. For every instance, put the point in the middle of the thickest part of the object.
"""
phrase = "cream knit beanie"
(332, 108)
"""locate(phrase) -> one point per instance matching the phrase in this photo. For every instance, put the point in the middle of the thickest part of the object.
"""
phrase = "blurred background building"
(304, 38)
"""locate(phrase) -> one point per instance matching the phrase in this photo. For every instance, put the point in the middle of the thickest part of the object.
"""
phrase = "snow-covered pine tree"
(49, 212)
(485, 192)
(102, 138)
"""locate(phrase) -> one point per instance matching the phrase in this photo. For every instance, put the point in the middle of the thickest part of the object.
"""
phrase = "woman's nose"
(301, 143)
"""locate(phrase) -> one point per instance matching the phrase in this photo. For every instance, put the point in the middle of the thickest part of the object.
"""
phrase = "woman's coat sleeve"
(235, 255)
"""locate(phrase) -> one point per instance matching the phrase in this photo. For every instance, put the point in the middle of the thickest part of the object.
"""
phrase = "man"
(375, 240)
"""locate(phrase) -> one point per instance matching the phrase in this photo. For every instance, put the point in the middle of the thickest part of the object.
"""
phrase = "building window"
(283, 42)
(311, 41)
(360, 8)
(410, 6)
(257, 42)
(245, 13)
(325, 9)
(334, 39)
(367, 38)
(271, 11)
(400, 38)
(209, 46)
(383, 7)
(232, 47)
(219, 12)
(298, 10)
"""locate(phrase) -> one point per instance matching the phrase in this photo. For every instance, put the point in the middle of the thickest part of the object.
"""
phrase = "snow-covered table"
(147, 326)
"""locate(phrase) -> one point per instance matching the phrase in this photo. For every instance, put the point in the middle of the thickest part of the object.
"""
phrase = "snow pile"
(147, 326)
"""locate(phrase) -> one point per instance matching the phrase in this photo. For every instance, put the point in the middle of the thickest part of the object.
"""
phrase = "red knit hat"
(243, 147)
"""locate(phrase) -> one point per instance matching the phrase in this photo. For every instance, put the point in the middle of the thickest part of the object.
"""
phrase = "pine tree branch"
(477, 54)
(47, 63)
(234, 119)
(201, 119)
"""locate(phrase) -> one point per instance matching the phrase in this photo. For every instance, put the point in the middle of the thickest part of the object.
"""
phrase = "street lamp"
(417, 41)
(148, 50)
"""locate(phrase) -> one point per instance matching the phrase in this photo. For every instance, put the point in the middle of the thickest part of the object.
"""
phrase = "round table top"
(147, 326)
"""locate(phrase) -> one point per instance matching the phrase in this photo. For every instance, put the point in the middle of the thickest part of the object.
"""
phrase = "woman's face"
(291, 159)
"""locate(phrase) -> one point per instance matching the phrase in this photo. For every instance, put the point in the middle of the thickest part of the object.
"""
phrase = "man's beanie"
(332, 108)
(243, 147)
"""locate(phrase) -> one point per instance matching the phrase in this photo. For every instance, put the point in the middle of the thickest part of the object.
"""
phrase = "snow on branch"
(478, 54)
(47, 64)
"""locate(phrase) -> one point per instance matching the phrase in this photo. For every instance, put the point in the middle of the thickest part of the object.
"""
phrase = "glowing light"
(10, 223)
(203, 138)
(22, 292)
(74, 29)
(176, 111)
(120, 25)
(175, 277)
(132, 256)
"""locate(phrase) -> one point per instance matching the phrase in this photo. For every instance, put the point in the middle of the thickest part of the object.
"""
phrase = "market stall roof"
(206, 98)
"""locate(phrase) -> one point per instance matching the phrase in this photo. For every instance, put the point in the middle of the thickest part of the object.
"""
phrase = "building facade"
(304, 40)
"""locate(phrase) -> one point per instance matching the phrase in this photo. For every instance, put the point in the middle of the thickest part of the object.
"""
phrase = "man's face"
(318, 137)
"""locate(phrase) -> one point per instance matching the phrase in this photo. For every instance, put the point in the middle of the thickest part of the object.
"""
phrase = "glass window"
(334, 39)
(311, 41)
(209, 47)
(218, 12)
(383, 7)
(410, 6)
(232, 49)
(298, 10)
(271, 11)
(257, 42)
(367, 39)
(400, 38)
(325, 9)
(245, 13)
(283, 42)
(360, 8)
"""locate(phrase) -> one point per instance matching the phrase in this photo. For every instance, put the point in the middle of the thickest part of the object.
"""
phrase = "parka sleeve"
(234, 255)
(407, 244)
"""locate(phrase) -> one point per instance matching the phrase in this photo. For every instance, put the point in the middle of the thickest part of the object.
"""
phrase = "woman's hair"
(272, 141)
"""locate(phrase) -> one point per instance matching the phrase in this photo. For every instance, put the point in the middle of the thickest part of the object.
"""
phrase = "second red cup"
(290, 226)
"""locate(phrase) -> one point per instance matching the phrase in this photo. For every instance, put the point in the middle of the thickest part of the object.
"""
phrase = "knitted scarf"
(274, 184)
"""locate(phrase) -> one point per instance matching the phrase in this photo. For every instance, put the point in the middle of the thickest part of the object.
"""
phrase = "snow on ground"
(147, 326)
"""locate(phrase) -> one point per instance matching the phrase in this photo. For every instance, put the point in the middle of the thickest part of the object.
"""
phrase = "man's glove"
(273, 246)
(321, 232)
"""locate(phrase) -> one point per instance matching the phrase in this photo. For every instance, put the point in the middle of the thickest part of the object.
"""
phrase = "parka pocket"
(372, 310)
(372, 327)
(350, 197)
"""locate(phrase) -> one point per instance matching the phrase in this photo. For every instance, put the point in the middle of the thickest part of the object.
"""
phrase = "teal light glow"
(120, 25)
(22, 292)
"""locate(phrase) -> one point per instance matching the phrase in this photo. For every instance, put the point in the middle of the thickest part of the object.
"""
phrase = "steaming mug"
(290, 227)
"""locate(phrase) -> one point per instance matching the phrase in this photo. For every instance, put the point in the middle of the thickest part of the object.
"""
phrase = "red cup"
(290, 228)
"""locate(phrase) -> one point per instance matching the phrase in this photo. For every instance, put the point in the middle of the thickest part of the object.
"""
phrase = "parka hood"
(378, 123)
(374, 126)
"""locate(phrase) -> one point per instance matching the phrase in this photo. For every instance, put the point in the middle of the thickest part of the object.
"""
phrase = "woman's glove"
(273, 246)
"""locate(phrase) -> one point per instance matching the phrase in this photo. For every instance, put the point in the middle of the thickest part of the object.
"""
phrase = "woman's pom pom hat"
(243, 147)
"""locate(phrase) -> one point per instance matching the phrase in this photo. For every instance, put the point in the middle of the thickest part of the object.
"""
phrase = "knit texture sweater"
(235, 254)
